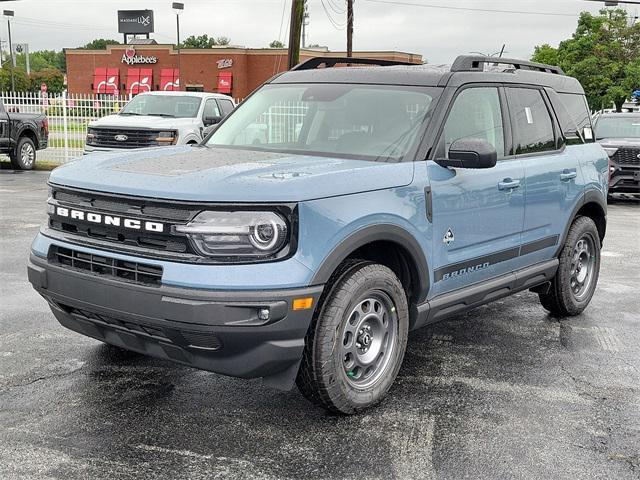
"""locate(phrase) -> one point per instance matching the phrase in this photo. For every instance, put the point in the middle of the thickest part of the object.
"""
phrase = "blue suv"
(333, 212)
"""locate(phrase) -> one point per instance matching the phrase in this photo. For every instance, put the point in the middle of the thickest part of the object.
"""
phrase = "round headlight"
(265, 235)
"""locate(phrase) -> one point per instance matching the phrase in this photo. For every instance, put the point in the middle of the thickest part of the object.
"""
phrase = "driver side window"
(211, 109)
(476, 113)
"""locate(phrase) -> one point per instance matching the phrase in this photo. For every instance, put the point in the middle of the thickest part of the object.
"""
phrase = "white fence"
(68, 117)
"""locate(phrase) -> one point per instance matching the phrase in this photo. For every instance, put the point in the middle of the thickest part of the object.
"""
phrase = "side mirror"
(470, 153)
(208, 121)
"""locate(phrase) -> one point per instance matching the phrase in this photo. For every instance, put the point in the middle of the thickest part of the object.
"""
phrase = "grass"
(71, 126)
(59, 143)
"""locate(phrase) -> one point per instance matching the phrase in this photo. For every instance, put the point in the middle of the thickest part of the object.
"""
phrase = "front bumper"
(624, 179)
(217, 331)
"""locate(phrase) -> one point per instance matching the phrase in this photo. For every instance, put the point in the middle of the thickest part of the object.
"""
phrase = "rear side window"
(576, 106)
(226, 106)
(534, 130)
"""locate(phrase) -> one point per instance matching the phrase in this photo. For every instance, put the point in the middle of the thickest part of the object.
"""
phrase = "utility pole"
(297, 18)
(9, 14)
(305, 22)
(349, 28)
(178, 8)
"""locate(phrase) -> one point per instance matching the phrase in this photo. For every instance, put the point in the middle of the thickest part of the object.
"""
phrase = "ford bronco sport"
(381, 199)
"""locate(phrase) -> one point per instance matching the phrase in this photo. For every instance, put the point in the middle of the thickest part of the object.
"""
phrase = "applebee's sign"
(225, 63)
(130, 58)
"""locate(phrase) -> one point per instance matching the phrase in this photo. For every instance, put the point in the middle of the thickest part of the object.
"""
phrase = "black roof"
(466, 69)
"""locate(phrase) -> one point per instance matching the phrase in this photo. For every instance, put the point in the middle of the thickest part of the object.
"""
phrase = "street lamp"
(178, 8)
(9, 14)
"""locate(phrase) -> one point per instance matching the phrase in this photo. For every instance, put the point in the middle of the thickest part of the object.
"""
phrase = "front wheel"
(24, 156)
(356, 343)
(575, 281)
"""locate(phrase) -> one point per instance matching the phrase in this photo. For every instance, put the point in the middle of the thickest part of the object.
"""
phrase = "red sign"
(106, 80)
(43, 87)
(139, 80)
(225, 82)
(169, 79)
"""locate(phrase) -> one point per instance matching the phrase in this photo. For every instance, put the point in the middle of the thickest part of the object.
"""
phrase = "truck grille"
(627, 156)
(139, 242)
(107, 266)
(128, 138)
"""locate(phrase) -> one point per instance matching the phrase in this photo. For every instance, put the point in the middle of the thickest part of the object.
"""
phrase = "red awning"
(139, 80)
(106, 80)
(225, 82)
(169, 79)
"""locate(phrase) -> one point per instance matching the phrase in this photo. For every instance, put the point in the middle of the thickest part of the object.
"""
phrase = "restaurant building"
(235, 71)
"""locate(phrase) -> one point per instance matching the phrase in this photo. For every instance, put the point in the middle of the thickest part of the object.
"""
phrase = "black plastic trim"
(373, 233)
(464, 299)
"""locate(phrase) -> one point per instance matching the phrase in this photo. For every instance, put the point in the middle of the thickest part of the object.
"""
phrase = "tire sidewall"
(357, 398)
(582, 226)
(17, 156)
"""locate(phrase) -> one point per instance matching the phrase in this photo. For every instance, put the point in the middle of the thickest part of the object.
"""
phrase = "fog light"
(264, 314)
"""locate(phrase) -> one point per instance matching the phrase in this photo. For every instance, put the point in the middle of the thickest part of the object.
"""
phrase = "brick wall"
(251, 67)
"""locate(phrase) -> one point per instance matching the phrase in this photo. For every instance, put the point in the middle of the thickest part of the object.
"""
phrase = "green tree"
(100, 44)
(603, 53)
(276, 44)
(204, 41)
(53, 77)
(22, 81)
(43, 59)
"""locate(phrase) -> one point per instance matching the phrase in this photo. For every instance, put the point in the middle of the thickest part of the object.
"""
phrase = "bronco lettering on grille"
(110, 220)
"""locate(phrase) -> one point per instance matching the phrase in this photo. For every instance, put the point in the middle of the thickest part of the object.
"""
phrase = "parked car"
(380, 200)
(619, 134)
(159, 119)
(21, 135)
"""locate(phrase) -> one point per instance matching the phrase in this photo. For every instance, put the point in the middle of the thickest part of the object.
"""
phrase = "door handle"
(567, 175)
(508, 184)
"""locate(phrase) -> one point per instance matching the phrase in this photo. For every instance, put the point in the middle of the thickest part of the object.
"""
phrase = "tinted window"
(476, 113)
(211, 109)
(576, 106)
(226, 106)
(531, 119)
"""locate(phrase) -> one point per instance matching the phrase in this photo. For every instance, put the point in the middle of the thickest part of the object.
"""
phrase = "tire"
(575, 281)
(357, 339)
(24, 156)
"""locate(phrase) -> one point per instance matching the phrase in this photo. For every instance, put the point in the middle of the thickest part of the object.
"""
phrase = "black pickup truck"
(21, 134)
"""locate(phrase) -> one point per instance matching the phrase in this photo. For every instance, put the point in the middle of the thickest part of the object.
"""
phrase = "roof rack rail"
(329, 62)
(476, 63)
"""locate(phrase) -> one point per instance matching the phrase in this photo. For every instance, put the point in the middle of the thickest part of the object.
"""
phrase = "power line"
(337, 25)
(471, 9)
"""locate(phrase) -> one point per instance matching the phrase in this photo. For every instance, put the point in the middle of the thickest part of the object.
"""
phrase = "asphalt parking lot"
(504, 391)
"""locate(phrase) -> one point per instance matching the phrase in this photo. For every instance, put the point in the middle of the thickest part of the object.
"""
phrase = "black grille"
(103, 235)
(627, 156)
(102, 265)
(106, 137)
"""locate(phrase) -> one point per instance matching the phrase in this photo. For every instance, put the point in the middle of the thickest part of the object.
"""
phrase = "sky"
(439, 34)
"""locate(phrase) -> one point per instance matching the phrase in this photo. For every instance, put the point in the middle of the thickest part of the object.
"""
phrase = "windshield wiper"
(160, 115)
(130, 113)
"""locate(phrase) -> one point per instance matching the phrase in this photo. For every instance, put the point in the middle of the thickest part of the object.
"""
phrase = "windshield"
(163, 106)
(377, 122)
(618, 127)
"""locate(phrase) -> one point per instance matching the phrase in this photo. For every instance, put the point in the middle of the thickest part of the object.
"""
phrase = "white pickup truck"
(159, 118)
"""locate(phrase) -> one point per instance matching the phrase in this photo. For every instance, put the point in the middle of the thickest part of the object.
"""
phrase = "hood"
(212, 174)
(620, 142)
(141, 121)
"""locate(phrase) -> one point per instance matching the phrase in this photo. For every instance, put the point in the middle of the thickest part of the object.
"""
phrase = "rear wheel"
(575, 281)
(357, 340)
(24, 156)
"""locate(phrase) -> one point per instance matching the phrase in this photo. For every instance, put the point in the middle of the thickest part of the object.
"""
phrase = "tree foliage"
(43, 59)
(204, 41)
(53, 77)
(603, 53)
(276, 44)
(100, 44)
